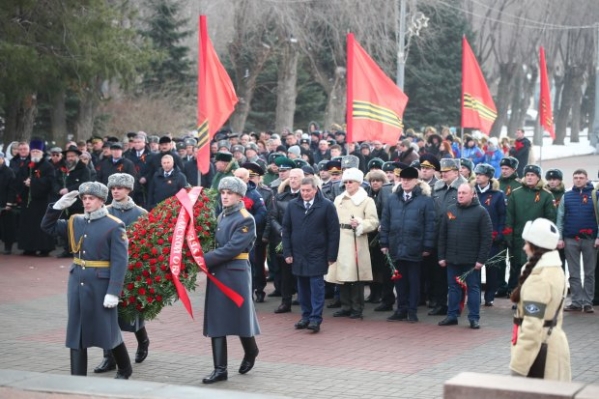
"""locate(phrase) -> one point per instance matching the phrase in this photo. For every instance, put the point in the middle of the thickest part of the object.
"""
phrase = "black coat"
(8, 193)
(466, 234)
(162, 187)
(30, 236)
(191, 172)
(408, 228)
(153, 164)
(107, 168)
(311, 237)
(274, 223)
(71, 180)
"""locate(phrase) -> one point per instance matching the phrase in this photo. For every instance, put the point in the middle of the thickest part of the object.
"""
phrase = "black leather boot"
(79, 362)
(251, 351)
(108, 363)
(219, 357)
(143, 342)
(121, 356)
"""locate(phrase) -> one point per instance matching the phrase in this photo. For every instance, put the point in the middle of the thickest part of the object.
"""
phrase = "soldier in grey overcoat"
(99, 244)
(123, 207)
(229, 263)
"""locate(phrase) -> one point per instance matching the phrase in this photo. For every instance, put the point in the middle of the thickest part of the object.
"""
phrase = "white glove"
(66, 200)
(110, 301)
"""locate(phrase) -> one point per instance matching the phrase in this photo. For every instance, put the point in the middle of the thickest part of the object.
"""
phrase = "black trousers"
(258, 257)
(437, 279)
(288, 284)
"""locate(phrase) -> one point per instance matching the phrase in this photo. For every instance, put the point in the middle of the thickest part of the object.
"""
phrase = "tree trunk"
(286, 87)
(516, 116)
(58, 118)
(21, 118)
(336, 102)
(563, 113)
(88, 102)
(506, 74)
(247, 72)
(577, 82)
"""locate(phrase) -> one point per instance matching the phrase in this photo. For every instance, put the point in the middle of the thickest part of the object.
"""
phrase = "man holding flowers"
(465, 239)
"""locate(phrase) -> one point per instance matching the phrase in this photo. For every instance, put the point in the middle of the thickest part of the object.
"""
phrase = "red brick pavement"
(359, 354)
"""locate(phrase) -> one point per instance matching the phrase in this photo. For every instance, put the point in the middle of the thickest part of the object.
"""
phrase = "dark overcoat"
(235, 236)
(408, 228)
(102, 239)
(30, 236)
(311, 237)
(162, 187)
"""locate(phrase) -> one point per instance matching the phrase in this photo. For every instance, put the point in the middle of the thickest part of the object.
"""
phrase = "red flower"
(137, 278)
(31, 165)
(130, 286)
(152, 291)
(159, 298)
(160, 241)
(507, 231)
(148, 281)
(149, 299)
(141, 291)
(158, 279)
(166, 250)
(145, 273)
(163, 268)
(154, 251)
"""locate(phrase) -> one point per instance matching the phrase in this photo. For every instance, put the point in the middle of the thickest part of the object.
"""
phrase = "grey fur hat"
(94, 188)
(121, 180)
(234, 184)
(350, 161)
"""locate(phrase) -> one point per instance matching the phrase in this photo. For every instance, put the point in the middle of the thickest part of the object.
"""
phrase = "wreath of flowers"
(149, 283)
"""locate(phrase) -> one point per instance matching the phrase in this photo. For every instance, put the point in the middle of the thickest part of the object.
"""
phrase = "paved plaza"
(349, 358)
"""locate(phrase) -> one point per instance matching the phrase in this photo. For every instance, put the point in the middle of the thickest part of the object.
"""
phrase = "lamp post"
(417, 21)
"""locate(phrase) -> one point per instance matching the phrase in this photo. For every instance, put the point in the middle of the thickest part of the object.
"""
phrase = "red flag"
(375, 105)
(478, 107)
(545, 113)
(216, 96)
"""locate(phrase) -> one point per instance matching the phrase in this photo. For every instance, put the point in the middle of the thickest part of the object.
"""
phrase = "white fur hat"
(542, 233)
(353, 174)
(234, 184)
(121, 180)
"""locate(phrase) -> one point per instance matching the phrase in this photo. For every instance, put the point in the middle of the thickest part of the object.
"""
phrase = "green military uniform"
(509, 184)
(524, 204)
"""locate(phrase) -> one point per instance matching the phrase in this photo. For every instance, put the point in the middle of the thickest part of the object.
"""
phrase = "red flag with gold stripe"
(478, 108)
(545, 113)
(375, 105)
(216, 96)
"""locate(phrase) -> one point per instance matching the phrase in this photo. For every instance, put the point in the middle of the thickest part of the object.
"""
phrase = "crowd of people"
(414, 222)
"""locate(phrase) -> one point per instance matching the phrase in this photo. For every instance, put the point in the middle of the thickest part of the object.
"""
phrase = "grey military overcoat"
(235, 235)
(103, 239)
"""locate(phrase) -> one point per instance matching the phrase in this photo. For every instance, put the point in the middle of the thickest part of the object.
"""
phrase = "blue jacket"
(475, 154)
(311, 237)
(408, 228)
(493, 200)
(257, 207)
(576, 212)
(493, 158)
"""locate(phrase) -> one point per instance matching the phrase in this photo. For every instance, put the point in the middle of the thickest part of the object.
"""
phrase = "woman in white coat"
(539, 313)
(357, 217)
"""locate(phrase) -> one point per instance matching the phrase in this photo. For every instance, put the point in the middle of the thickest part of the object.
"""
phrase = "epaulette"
(119, 221)
(244, 212)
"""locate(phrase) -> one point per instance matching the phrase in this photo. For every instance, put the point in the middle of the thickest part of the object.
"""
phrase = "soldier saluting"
(99, 244)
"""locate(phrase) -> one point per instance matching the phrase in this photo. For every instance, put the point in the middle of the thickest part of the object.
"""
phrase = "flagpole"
(350, 88)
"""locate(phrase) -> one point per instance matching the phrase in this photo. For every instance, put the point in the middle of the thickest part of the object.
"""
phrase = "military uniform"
(509, 184)
(99, 242)
(524, 204)
(229, 263)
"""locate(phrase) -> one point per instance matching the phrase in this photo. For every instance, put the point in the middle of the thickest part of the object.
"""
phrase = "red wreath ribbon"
(185, 231)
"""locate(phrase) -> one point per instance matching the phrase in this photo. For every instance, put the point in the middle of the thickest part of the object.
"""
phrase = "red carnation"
(168, 276)
(131, 267)
(137, 278)
(154, 251)
(130, 286)
(153, 261)
(160, 241)
(141, 291)
(149, 299)
(132, 300)
(148, 281)
(153, 269)
(166, 250)
(163, 268)
(31, 165)
(159, 298)
(161, 258)
(152, 291)
(145, 273)
(158, 279)
(138, 264)
(145, 257)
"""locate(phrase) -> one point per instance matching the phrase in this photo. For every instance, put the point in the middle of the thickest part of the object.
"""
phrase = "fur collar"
(440, 184)
(358, 197)
(97, 214)
(123, 206)
(493, 182)
(549, 259)
(233, 208)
